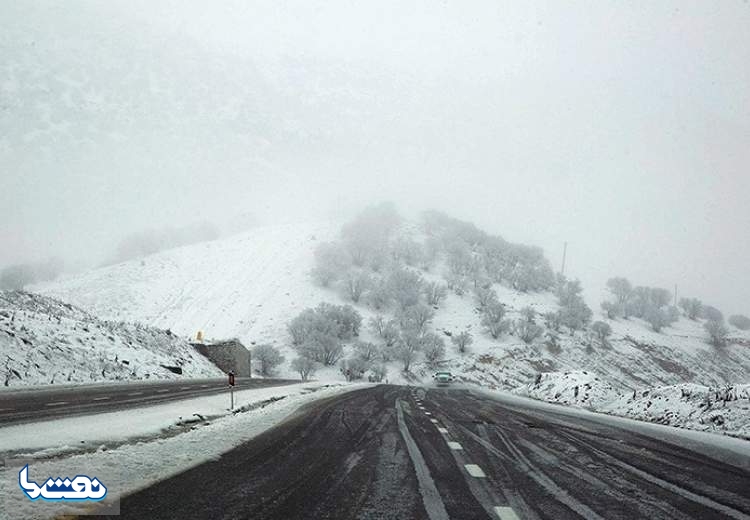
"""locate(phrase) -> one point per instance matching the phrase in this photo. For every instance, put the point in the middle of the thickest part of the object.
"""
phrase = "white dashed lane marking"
(185, 388)
(454, 445)
(443, 430)
(135, 393)
(506, 513)
(6, 409)
(59, 403)
(204, 386)
(102, 398)
(474, 470)
(162, 391)
(433, 421)
(427, 413)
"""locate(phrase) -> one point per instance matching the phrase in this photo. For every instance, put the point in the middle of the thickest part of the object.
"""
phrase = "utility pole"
(565, 252)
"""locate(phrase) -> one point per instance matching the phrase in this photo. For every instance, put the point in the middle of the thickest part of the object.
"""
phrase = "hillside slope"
(46, 341)
(245, 286)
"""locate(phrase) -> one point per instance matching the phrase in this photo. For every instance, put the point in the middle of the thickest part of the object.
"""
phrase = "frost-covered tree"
(405, 286)
(305, 367)
(415, 317)
(692, 307)
(434, 292)
(740, 321)
(366, 350)
(621, 290)
(354, 368)
(407, 251)
(355, 282)
(573, 312)
(601, 330)
(493, 319)
(379, 295)
(717, 332)
(528, 313)
(461, 341)
(527, 331)
(433, 348)
(485, 296)
(268, 357)
(408, 348)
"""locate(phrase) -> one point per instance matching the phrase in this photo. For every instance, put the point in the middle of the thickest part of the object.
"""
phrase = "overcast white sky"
(621, 128)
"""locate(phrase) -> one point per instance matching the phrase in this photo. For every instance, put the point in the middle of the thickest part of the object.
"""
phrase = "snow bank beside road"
(724, 410)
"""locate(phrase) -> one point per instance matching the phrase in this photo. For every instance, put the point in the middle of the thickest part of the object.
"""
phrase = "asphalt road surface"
(32, 405)
(391, 452)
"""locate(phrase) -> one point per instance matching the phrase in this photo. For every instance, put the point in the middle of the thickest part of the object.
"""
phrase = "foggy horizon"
(621, 130)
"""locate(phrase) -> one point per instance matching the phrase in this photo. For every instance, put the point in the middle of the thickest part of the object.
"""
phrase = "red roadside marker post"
(231, 390)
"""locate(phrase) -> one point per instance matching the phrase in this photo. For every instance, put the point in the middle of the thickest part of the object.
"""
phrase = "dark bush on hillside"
(740, 321)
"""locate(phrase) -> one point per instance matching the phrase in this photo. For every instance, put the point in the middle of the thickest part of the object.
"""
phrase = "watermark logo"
(79, 488)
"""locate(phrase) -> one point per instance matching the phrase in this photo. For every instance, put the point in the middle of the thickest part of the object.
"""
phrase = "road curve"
(17, 406)
(391, 452)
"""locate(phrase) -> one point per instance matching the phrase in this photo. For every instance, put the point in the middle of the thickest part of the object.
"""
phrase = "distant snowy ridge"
(46, 341)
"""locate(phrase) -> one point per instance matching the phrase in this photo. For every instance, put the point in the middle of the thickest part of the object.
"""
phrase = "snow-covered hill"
(246, 286)
(46, 341)
(250, 286)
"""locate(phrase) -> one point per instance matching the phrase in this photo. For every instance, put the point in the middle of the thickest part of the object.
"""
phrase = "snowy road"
(402, 453)
(31, 405)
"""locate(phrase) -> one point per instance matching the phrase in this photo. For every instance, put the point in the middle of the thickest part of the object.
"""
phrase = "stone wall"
(229, 356)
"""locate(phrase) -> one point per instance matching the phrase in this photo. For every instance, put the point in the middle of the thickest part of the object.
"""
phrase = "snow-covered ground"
(46, 341)
(131, 466)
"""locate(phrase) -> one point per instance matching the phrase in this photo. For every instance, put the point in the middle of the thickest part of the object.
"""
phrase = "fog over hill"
(626, 138)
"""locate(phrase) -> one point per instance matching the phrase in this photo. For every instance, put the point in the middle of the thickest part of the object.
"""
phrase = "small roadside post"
(231, 390)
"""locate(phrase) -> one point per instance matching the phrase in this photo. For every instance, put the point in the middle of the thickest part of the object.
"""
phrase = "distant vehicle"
(443, 378)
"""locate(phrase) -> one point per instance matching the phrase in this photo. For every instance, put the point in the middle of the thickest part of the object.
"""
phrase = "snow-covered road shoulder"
(135, 465)
(90, 432)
